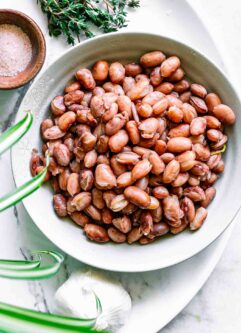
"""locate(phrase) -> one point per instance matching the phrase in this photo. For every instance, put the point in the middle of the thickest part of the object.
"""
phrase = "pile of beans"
(135, 149)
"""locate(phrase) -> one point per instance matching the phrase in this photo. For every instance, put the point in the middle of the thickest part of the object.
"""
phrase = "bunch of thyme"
(74, 18)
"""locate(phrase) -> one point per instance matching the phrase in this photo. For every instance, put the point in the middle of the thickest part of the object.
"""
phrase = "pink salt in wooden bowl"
(21, 20)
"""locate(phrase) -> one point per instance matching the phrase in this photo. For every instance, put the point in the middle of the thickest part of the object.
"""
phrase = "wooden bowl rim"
(37, 62)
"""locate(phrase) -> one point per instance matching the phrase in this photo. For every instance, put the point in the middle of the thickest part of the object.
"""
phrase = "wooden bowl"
(8, 16)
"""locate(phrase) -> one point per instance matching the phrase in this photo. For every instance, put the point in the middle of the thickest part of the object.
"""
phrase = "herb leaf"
(75, 18)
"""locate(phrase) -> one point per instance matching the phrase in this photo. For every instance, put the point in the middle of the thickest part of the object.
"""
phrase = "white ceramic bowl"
(168, 250)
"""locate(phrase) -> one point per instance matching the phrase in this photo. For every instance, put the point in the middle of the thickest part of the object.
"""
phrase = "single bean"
(96, 233)
(198, 126)
(72, 86)
(128, 158)
(104, 177)
(179, 144)
(85, 77)
(201, 214)
(116, 72)
(118, 203)
(181, 86)
(171, 208)
(212, 122)
(225, 114)
(177, 75)
(61, 154)
(80, 218)
(116, 236)
(198, 90)
(118, 141)
(132, 69)
(165, 88)
(100, 70)
(188, 208)
(212, 100)
(157, 163)
(171, 171)
(73, 186)
(73, 97)
(60, 205)
(185, 97)
(199, 104)
(141, 169)
(169, 66)
(202, 152)
(86, 179)
(90, 159)
(137, 196)
(57, 106)
(155, 76)
(152, 59)
(148, 128)
(81, 201)
(209, 194)
(93, 212)
(134, 235)
(124, 180)
(182, 130)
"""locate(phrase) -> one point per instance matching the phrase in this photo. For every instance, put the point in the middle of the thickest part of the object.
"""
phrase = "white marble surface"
(216, 306)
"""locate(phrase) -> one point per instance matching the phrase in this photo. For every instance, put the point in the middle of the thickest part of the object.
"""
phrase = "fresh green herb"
(14, 319)
(16, 132)
(23, 191)
(74, 18)
(31, 269)
(219, 151)
(134, 3)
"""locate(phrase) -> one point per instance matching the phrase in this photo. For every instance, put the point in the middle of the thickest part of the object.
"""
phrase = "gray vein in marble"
(8, 122)
(15, 212)
(35, 287)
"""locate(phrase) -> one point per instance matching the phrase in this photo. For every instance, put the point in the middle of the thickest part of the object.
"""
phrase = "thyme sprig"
(75, 18)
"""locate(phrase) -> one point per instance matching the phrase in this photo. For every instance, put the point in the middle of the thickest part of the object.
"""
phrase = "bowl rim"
(156, 265)
(40, 58)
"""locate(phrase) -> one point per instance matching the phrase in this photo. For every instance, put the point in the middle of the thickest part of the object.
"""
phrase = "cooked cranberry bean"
(198, 104)
(225, 114)
(152, 59)
(81, 201)
(141, 169)
(100, 70)
(212, 100)
(171, 171)
(171, 208)
(209, 194)
(118, 141)
(57, 106)
(182, 130)
(177, 75)
(118, 203)
(198, 90)
(169, 66)
(181, 86)
(80, 218)
(104, 177)
(85, 77)
(198, 126)
(96, 233)
(116, 72)
(137, 196)
(179, 145)
(61, 154)
(132, 69)
(201, 214)
(165, 88)
(60, 205)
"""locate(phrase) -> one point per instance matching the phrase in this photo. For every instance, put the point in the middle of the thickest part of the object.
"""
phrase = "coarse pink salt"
(15, 50)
